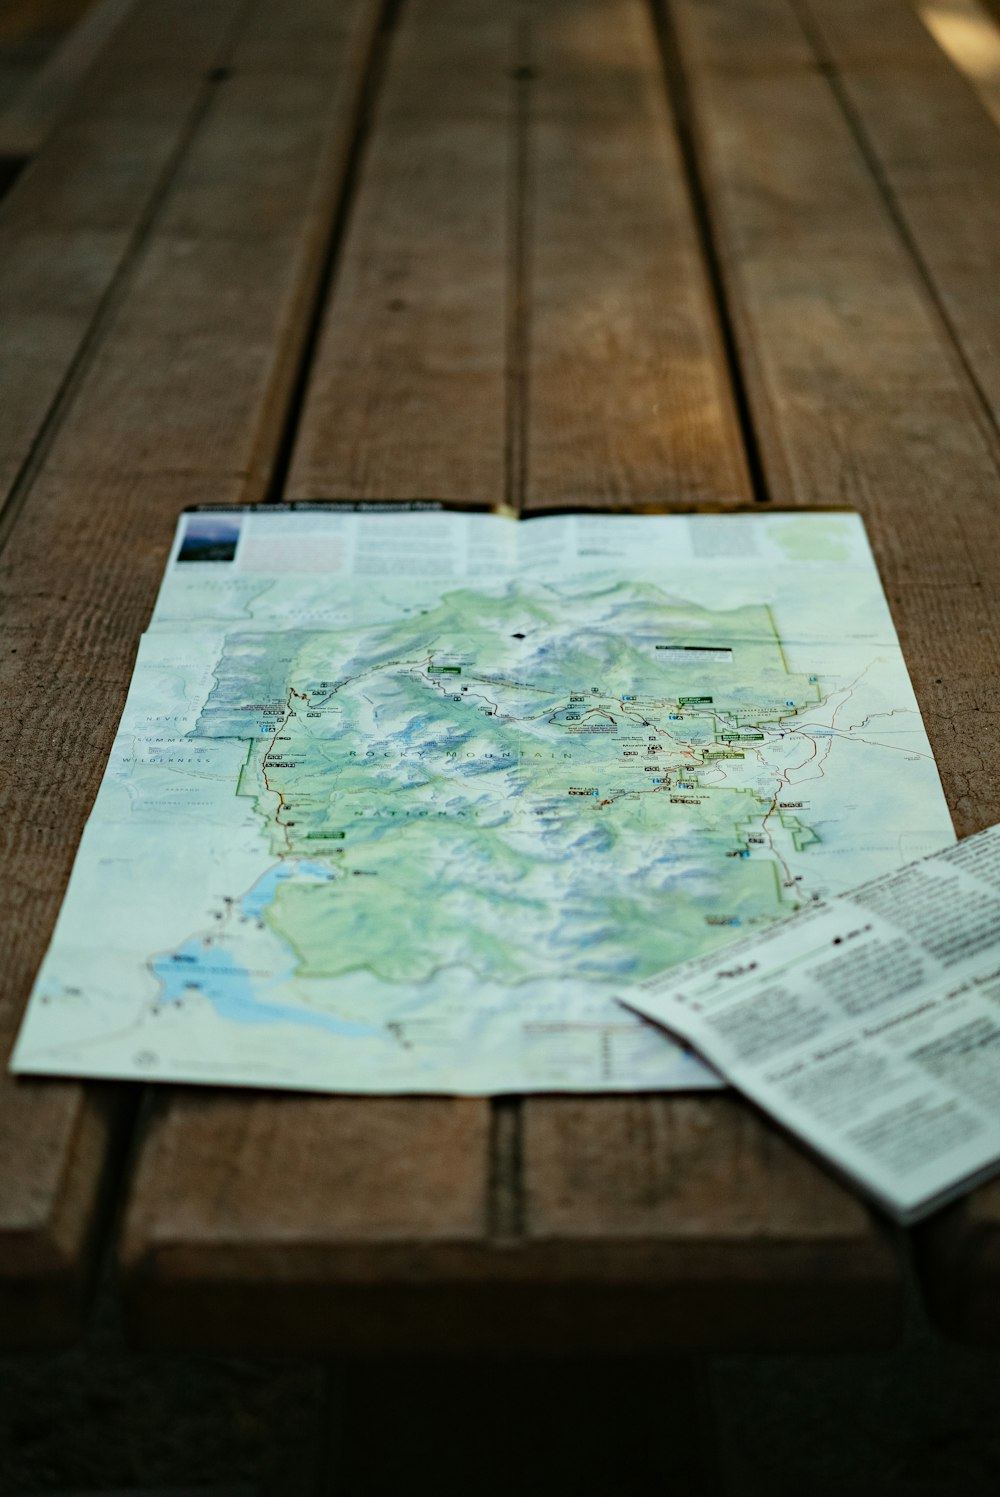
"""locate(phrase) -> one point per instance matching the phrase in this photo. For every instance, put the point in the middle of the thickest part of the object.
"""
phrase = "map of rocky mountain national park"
(402, 797)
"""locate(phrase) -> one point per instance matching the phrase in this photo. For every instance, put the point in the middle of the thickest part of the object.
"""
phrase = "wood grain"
(285, 1223)
(77, 579)
(858, 391)
(372, 1224)
(721, 1230)
(553, 1225)
(406, 394)
(68, 225)
(864, 293)
(215, 308)
(937, 150)
(220, 298)
(629, 401)
(746, 1242)
(341, 1220)
(627, 391)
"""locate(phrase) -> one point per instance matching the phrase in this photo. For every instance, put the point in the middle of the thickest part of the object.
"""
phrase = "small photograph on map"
(209, 538)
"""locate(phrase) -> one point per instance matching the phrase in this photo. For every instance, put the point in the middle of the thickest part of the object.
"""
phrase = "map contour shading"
(403, 796)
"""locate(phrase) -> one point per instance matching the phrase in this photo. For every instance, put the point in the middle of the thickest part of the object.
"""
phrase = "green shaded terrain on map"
(523, 784)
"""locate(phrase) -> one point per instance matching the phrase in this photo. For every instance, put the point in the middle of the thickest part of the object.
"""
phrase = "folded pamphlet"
(869, 1025)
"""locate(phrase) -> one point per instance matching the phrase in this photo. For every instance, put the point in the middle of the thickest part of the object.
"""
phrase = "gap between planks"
(671, 1215)
(878, 387)
(519, 225)
(90, 547)
(326, 281)
(678, 99)
(810, 21)
(115, 290)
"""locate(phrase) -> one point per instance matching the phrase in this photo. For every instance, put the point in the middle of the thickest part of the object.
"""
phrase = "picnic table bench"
(587, 252)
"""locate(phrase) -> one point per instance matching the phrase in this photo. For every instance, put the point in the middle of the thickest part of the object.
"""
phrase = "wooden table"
(727, 252)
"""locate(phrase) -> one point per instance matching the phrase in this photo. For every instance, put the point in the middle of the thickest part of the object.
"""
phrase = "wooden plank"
(406, 395)
(238, 245)
(59, 257)
(693, 1222)
(732, 1235)
(863, 294)
(380, 1224)
(77, 583)
(656, 1186)
(628, 392)
(937, 150)
(858, 393)
(50, 289)
(336, 1209)
(68, 224)
(54, 1146)
(609, 229)
(297, 1224)
(228, 270)
(569, 1225)
(33, 114)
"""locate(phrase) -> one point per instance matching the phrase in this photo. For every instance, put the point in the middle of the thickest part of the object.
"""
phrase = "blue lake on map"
(219, 976)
